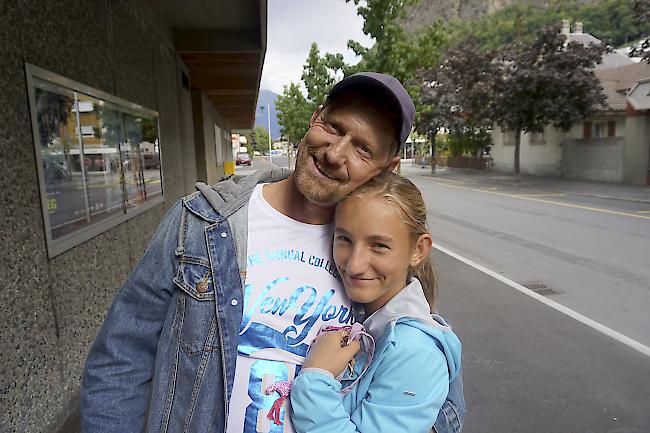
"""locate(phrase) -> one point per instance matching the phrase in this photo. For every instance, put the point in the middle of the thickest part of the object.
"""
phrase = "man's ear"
(315, 115)
(421, 250)
(393, 163)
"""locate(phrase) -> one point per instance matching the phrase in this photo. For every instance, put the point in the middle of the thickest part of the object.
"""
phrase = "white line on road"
(555, 305)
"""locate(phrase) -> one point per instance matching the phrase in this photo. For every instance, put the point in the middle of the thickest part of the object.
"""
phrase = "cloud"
(294, 24)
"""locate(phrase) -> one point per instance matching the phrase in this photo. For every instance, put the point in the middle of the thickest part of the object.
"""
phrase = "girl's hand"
(326, 352)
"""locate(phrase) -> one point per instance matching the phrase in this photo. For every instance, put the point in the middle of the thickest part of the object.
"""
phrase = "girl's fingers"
(352, 348)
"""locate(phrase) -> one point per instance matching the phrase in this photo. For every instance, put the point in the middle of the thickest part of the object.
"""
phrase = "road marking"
(636, 345)
(460, 182)
(541, 195)
(644, 211)
(558, 203)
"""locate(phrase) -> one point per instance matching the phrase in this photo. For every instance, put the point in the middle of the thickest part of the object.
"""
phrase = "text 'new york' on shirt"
(292, 289)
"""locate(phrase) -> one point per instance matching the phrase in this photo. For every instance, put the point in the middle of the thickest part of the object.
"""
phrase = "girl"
(398, 383)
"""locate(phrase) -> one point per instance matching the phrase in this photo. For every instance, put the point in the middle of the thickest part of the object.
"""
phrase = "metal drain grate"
(541, 288)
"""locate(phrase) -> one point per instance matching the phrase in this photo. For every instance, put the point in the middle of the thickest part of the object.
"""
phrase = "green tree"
(319, 73)
(294, 112)
(522, 88)
(261, 139)
(641, 10)
(457, 96)
(395, 51)
(546, 82)
(608, 20)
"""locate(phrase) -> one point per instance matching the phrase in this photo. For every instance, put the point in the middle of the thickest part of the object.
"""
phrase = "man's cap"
(391, 87)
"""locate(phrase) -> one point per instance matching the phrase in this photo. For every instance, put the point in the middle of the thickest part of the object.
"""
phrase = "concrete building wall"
(636, 160)
(546, 157)
(597, 159)
(537, 156)
(210, 128)
(52, 308)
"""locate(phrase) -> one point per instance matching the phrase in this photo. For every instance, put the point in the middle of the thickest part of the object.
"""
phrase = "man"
(237, 281)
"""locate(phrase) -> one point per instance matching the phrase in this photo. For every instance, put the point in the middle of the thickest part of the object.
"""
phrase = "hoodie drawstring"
(357, 332)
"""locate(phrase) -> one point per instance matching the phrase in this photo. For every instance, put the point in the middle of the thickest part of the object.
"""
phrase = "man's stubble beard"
(315, 189)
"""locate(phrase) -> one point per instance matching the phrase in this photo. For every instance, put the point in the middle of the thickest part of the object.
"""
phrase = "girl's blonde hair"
(406, 197)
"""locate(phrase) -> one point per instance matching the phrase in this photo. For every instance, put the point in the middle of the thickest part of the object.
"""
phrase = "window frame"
(68, 241)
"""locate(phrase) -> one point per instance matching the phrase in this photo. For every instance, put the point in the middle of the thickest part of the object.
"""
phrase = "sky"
(294, 24)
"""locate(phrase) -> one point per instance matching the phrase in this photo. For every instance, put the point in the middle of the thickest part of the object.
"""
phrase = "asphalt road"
(591, 254)
(528, 368)
(260, 162)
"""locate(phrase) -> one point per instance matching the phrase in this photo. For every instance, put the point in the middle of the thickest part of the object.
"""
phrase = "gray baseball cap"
(391, 87)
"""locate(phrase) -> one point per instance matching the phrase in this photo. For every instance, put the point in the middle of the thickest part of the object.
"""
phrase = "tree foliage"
(546, 82)
(641, 10)
(294, 112)
(258, 140)
(523, 87)
(319, 74)
(608, 20)
(395, 52)
(261, 141)
(458, 96)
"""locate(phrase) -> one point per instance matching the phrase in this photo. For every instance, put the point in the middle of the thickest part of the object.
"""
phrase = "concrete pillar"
(211, 147)
(186, 130)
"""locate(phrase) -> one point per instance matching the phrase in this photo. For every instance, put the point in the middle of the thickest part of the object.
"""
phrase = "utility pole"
(268, 117)
(432, 140)
(289, 153)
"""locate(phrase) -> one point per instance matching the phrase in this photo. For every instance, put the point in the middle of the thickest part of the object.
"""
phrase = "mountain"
(267, 97)
(425, 12)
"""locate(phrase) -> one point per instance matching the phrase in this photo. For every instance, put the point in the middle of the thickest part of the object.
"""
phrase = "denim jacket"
(164, 358)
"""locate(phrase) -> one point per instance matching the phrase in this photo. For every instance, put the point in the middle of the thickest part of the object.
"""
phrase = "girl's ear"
(421, 249)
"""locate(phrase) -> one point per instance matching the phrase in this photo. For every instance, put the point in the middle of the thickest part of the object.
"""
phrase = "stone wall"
(52, 308)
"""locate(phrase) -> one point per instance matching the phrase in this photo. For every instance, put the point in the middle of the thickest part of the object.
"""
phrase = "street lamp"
(268, 117)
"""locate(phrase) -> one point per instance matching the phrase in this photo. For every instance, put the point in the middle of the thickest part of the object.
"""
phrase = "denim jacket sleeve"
(398, 399)
(118, 371)
(452, 414)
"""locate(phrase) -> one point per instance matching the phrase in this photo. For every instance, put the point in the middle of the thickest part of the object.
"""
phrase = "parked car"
(243, 159)
(151, 160)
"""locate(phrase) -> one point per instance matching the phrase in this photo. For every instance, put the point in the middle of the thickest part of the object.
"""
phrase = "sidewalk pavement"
(613, 191)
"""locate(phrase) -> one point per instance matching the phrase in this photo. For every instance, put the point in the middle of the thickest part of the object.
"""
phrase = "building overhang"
(223, 45)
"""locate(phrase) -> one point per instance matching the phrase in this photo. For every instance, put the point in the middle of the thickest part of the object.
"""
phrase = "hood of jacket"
(228, 196)
(410, 308)
(228, 200)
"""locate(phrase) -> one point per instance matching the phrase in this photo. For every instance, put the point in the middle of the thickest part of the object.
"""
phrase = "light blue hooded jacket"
(416, 356)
